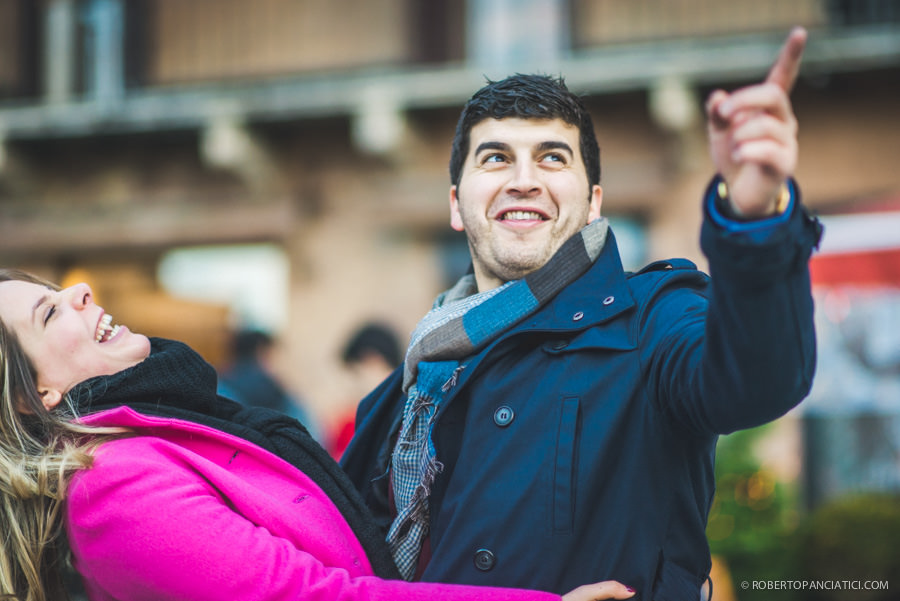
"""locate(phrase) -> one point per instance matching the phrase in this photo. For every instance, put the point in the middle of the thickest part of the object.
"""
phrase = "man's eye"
(493, 158)
(49, 314)
(554, 158)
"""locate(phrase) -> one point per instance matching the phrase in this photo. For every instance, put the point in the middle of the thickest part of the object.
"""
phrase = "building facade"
(320, 131)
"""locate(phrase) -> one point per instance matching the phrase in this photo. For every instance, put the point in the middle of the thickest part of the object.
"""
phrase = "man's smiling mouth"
(521, 216)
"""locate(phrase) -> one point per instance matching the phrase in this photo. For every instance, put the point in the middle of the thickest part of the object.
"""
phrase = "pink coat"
(184, 511)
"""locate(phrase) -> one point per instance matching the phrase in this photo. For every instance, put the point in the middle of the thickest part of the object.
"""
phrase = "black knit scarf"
(174, 381)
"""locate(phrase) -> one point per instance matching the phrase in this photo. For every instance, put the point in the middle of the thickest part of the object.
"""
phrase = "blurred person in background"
(371, 353)
(556, 417)
(250, 378)
(165, 490)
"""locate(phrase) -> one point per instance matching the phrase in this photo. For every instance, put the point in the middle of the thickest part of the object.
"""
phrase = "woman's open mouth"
(105, 329)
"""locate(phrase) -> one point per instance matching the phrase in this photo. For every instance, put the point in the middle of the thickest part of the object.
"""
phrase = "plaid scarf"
(461, 323)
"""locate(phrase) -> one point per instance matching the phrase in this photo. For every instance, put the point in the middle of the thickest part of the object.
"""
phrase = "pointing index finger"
(787, 65)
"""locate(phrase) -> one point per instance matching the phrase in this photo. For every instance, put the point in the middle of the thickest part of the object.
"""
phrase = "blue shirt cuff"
(757, 229)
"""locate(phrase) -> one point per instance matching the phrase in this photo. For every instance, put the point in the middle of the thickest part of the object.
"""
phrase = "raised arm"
(747, 356)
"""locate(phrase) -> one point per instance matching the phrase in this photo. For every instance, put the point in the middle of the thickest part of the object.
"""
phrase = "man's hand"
(753, 134)
(608, 589)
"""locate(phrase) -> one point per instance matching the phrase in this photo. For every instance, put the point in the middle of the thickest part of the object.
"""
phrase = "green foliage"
(851, 539)
(755, 526)
(752, 517)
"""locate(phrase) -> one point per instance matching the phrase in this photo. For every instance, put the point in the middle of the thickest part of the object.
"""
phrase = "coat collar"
(598, 296)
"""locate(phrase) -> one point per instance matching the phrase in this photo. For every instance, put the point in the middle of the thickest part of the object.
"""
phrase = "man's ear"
(50, 397)
(596, 203)
(455, 217)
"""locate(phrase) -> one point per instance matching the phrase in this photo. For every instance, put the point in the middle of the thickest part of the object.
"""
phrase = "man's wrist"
(726, 209)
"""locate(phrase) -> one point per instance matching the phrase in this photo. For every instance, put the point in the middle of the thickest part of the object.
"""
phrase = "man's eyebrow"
(39, 302)
(554, 145)
(491, 146)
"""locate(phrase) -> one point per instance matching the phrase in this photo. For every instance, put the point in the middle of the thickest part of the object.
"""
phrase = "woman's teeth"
(105, 329)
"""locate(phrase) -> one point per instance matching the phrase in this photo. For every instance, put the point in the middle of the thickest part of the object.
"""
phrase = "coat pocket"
(674, 583)
(565, 466)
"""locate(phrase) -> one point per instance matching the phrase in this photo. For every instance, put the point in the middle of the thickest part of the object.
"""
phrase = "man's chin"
(519, 268)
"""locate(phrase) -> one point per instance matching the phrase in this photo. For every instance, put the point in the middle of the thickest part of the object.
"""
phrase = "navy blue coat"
(579, 445)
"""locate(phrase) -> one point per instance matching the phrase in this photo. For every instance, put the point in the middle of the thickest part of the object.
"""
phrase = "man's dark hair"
(526, 97)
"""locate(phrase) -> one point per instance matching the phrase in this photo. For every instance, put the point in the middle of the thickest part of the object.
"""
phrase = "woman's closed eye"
(50, 311)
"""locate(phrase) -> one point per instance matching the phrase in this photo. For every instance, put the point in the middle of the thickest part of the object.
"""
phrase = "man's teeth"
(105, 329)
(522, 216)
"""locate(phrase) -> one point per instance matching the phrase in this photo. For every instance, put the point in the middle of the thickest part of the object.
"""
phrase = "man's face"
(522, 193)
(66, 336)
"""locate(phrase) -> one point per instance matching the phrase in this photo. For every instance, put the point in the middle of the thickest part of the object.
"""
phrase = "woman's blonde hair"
(39, 452)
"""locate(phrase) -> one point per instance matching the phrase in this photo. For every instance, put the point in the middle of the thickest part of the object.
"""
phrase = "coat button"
(558, 346)
(503, 416)
(485, 560)
(578, 316)
(609, 300)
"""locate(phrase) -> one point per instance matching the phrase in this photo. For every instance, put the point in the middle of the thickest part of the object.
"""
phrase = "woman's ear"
(50, 397)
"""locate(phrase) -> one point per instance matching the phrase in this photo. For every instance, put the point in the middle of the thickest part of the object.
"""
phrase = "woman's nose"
(80, 295)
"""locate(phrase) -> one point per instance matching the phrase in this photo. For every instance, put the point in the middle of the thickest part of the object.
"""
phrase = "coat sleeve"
(742, 353)
(143, 526)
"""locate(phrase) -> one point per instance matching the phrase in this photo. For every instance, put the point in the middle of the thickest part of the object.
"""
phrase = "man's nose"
(524, 180)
